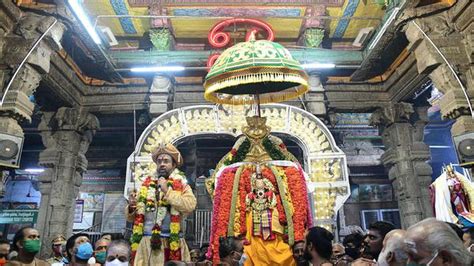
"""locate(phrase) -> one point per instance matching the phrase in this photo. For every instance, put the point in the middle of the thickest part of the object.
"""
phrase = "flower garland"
(267, 173)
(221, 211)
(233, 207)
(299, 196)
(146, 203)
(273, 150)
(287, 209)
(244, 189)
(238, 155)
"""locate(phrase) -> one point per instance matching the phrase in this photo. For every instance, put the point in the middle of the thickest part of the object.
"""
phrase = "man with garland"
(158, 211)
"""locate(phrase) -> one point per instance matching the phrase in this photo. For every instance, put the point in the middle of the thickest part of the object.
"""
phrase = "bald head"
(394, 236)
(393, 252)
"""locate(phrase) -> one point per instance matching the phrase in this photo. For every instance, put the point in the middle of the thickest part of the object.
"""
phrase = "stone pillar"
(18, 33)
(315, 96)
(161, 95)
(405, 158)
(452, 32)
(66, 134)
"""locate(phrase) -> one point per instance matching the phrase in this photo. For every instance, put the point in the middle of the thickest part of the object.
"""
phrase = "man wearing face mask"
(159, 209)
(56, 245)
(79, 249)
(100, 250)
(231, 251)
(27, 243)
(433, 242)
(118, 253)
(352, 244)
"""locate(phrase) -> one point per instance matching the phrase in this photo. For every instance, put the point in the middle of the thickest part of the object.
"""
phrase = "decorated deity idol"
(453, 198)
(260, 194)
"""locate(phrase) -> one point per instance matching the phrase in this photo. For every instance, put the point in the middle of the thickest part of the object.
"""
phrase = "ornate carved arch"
(325, 163)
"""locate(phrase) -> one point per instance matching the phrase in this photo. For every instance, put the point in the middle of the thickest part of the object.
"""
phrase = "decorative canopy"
(252, 68)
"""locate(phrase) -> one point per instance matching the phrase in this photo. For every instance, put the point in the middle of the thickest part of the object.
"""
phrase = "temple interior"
(88, 86)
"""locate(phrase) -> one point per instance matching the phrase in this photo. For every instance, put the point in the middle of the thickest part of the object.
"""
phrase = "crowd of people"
(429, 242)
(159, 206)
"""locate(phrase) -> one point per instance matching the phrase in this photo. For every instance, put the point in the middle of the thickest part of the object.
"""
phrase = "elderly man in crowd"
(118, 253)
(432, 242)
(393, 251)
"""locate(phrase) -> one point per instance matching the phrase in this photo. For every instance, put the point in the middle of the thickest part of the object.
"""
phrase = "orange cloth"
(266, 252)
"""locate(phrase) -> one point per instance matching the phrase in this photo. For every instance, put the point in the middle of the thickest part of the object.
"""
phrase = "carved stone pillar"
(66, 134)
(315, 96)
(18, 33)
(161, 95)
(406, 157)
(452, 32)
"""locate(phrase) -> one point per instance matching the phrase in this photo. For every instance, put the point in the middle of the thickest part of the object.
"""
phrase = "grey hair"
(397, 247)
(122, 243)
(437, 235)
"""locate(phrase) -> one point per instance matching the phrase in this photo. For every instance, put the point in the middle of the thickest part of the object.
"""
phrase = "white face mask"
(116, 262)
(243, 259)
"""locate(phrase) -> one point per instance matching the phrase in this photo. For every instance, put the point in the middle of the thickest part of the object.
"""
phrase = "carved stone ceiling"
(190, 21)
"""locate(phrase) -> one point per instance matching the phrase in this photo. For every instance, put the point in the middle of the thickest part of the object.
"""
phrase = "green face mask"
(32, 246)
(101, 256)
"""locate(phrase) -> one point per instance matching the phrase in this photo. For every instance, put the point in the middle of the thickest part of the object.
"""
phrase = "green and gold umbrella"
(255, 72)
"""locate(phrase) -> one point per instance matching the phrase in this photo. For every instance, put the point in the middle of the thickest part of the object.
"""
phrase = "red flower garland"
(221, 210)
(299, 197)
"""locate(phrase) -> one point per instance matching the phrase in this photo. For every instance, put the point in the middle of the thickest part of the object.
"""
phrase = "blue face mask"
(84, 251)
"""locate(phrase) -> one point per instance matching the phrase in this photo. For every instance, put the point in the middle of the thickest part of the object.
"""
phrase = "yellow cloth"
(266, 252)
(146, 257)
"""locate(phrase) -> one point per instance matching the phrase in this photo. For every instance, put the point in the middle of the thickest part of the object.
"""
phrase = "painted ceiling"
(191, 20)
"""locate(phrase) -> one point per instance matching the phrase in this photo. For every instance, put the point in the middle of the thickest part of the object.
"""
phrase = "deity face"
(165, 165)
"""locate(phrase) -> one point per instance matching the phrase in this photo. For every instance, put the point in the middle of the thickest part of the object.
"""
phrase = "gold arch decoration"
(324, 162)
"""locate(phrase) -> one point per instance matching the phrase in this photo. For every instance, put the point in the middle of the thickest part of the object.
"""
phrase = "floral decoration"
(147, 203)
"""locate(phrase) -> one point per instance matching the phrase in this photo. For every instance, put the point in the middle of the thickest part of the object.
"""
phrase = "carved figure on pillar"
(158, 211)
(66, 134)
